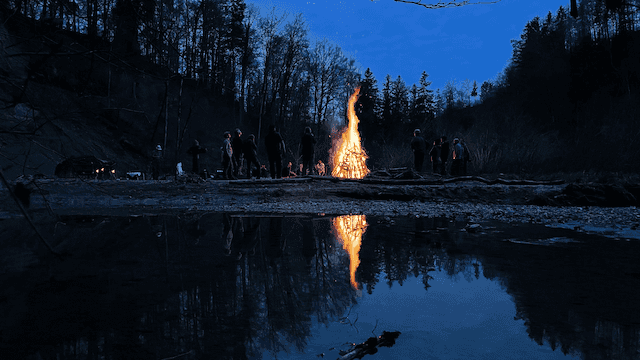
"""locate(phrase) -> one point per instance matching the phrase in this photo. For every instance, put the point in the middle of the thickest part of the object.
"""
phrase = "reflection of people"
(309, 246)
(275, 243)
(307, 144)
(227, 233)
(195, 150)
(275, 149)
(155, 162)
(419, 148)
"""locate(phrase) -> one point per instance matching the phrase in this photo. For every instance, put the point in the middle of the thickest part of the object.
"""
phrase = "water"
(231, 286)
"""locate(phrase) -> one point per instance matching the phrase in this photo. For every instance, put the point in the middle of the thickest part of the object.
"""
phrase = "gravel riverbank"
(472, 201)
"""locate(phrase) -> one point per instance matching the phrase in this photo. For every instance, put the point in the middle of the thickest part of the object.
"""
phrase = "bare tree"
(447, 4)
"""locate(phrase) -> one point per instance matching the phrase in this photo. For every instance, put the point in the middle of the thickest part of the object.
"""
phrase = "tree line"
(573, 73)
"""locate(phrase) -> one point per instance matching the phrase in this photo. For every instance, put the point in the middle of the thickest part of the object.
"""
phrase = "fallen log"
(387, 339)
(440, 181)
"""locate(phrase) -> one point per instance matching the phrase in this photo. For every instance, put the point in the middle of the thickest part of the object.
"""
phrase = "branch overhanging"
(447, 4)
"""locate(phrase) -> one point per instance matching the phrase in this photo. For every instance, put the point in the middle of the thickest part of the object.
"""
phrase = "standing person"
(275, 148)
(434, 154)
(227, 155)
(308, 149)
(458, 158)
(250, 151)
(236, 145)
(444, 155)
(195, 150)
(467, 157)
(155, 162)
(419, 148)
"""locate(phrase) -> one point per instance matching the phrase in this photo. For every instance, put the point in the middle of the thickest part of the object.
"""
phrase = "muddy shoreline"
(470, 200)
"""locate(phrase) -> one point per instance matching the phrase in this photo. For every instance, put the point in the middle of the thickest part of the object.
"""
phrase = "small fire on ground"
(348, 158)
(349, 230)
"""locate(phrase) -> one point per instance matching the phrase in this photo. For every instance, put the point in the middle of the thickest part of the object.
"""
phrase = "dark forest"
(114, 78)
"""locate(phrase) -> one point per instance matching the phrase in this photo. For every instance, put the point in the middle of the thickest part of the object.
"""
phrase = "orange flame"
(350, 229)
(348, 157)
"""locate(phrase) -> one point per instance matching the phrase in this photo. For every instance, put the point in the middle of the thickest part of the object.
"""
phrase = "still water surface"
(232, 286)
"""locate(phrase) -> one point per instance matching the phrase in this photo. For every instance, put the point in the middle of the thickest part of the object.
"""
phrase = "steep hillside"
(64, 95)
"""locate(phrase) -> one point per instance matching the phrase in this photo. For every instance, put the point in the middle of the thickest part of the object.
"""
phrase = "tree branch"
(447, 4)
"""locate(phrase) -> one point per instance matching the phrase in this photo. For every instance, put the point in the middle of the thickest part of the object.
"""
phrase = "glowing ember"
(350, 229)
(348, 158)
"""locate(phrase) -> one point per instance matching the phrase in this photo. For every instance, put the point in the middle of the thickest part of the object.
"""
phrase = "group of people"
(235, 151)
(439, 154)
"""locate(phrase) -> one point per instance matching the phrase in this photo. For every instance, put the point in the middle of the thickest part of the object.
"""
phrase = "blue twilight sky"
(469, 42)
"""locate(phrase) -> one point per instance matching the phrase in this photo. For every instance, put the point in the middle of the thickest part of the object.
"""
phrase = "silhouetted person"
(467, 157)
(444, 154)
(419, 148)
(250, 151)
(275, 148)
(307, 144)
(237, 145)
(434, 156)
(156, 157)
(227, 154)
(195, 150)
(458, 158)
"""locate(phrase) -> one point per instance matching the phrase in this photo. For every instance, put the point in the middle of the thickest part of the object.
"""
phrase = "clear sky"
(469, 42)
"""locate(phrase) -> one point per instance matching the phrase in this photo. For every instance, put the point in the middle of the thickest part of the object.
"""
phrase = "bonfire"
(348, 158)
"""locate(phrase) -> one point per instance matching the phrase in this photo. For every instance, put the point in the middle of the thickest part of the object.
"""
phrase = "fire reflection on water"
(349, 230)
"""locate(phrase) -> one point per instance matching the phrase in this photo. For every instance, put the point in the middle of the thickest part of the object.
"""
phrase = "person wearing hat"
(155, 162)
(419, 148)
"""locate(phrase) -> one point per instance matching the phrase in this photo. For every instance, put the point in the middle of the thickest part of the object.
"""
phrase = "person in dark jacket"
(275, 148)
(237, 145)
(419, 148)
(444, 154)
(307, 144)
(195, 150)
(458, 158)
(250, 151)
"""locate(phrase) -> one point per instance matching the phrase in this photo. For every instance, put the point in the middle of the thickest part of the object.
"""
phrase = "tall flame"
(350, 229)
(348, 158)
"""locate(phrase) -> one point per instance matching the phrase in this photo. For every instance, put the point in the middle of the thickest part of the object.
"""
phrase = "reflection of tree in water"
(228, 287)
(276, 277)
(581, 297)
(401, 252)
